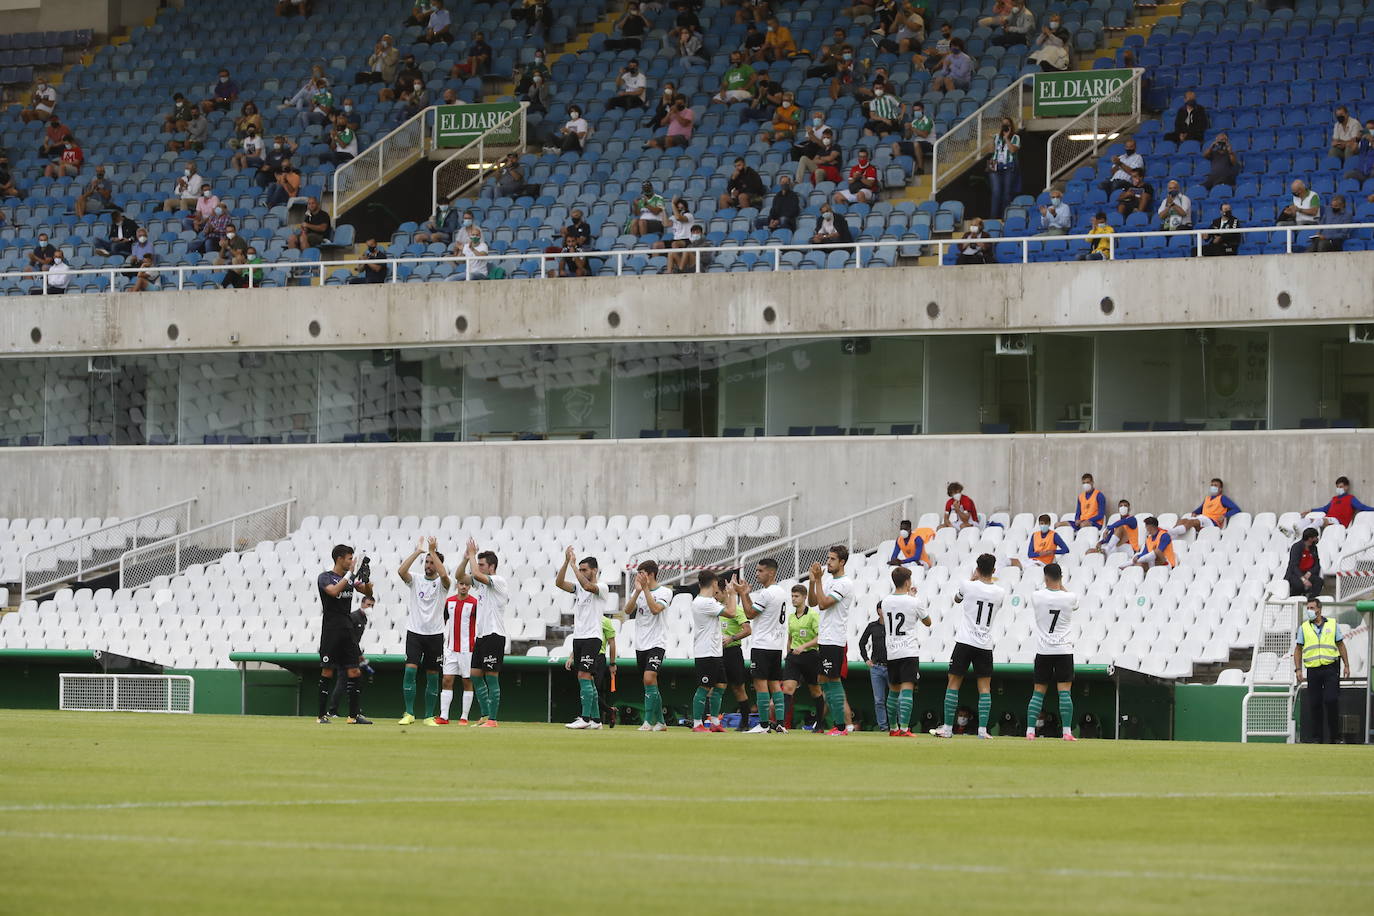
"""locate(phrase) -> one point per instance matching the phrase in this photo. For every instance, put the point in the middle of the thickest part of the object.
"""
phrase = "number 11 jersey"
(981, 601)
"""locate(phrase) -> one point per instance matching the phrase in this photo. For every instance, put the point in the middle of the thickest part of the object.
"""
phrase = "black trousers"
(1295, 587)
(1320, 705)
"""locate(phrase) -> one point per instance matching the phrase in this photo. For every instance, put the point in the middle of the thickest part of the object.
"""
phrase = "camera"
(364, 575)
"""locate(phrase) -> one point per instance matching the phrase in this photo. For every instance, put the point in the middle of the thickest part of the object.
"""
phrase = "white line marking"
(208, 841)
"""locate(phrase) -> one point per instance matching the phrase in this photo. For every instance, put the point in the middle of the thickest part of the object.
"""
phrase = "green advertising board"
(1063, 95)
(459, 125)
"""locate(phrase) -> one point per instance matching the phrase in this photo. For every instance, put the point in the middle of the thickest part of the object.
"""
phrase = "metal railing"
(716, 545)
(1092, 130)
(374, 166)
(469, 165)
(1355, 579)
(206, 544)
(967, 142)
(861, 532)
(99, 550)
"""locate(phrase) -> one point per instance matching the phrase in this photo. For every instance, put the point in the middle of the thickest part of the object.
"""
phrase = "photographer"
(1224, 164)
(359, 618)
(338, 645)
(1004, 167)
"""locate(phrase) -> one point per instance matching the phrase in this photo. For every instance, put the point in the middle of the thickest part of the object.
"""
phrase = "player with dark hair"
(707, 609)
(767, 613)
(735, 627)
(901, 612)
(647, 606)
(833, 593)
(1053, 608)
(489, 651)
(359, 618)
(338, 647)
(460, 635)
(586, 645)
(803, 663)
(425, 629)
(981, 598)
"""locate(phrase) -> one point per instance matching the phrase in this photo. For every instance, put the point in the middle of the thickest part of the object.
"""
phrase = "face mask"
(539, 58)
(1124, 510)
(1309, 613)
(1087, 487)
(1340, 118)
(575, 114)
(69, 146)
(1044, 529)
(419, 87)
(143, 238)
(817, 121)
(466, 221)
(905, 531)
(538, 79)
(230, 235)
(224, 79)
(474, 239)
(827, 141)
(1056, 201)
(276, 146)
(1213, 490)
(219, 211)
(348, 108)
(1054, 24)
(696, 237)
(42, 241)
(918, 113)
(205, 193)
(57, 258)
(848, 56)
(1340, 491)
(877, 93)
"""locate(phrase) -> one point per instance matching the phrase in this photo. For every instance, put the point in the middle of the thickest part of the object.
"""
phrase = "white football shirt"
(1054, 621)
(651, 630)
(902, 616)
(491, 605)
(706, 641)
(769, 628)
(981, 601)
(835, 619)
(426, 605)
(587, 613)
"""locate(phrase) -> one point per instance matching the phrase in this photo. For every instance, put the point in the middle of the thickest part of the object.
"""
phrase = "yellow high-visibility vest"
(1319, 647)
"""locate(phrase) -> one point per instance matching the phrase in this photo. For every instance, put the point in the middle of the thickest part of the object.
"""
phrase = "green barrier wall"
(1207, 712)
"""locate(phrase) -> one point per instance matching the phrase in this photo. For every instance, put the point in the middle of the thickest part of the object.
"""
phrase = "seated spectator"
(141, 248)
(300, 100)
(68, 162)
(538, 94)
(1056, 218)
(766, 97)
(778, 43)
(351, 114)
(578, 228)
(786, 120)
(1305, 209)
(785, 210)
(809, 144)
(185, 190)
(406, 77)
(753, 11)
(473, 248)
(7, 185)
(413, 101)
(41, 255)
(1333, 214)
(445, 225)
(374, 271)
(381, 63)
(229, 244)
(971, 249)
(55, 135)
(1345, 134)
(1135, 196)
(863, 185)
(147, 277)
(180, 115)
(1126, 166)
(1304, 571)
(224, 94)
(661, 108)
(237, 279)
(573, 267)
(1052, 46)
(1361, 164)
(1045, 544)
(57, 277)
(42, 102)
(249, 119)
(1157, 548)
(679, 122)
(1016, 27)
(1222, 244)
(744, 189)
(828, 61)
(752, 45)
(921, 131)
(632, 26)
(1221, 157)
(251, 152)
(680, 222)
(691, 44)
(213, 231)
(1191, 121)
(537, 16)
(1001, 9)
(651, 208)
(631, 88)
(573, 134)
(510, 179)
(885, 112)
(1214, 511)
(737, 85)
(343, 141)
(1099, 249)
(419, 13)
(932, 57)
(203, 210)
(320, 109)
(97, 195)
(955, 70)
(282, 150)
(906, 35)
(120, 239)
(439, 29)
(831, 228)
(478, 60)
(825, 165)
(193, 140)
(1175, 210)
(524, 75)
(846, 77)
(314, 228)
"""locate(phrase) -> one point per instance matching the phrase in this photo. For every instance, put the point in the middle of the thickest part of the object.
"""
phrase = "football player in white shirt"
(707, 610)
(492, 593)
(981, 599)
(1054, 607)
(586, 646)
(647, 604)
(767, 612)
(834, 596)
(901, 610)
(425, 629)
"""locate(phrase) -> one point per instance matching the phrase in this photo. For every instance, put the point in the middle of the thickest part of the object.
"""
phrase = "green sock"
(904, 703)
(765, 701)
(494, 694)
(1066, 709)
(479, 687)
(699, 704)
(834, 700)
(408, 689)
(984, 709)
(588, 691)
(779, 707)
(951, 705)
(891, 710)
(653, 704)
(717, 698)
(1033, 710)
(432, 692)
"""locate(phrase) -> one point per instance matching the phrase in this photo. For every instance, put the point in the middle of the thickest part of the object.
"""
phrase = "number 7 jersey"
(981, 602)
(1054, 620)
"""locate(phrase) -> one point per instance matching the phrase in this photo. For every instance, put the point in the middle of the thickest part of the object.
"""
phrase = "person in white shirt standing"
(982, 598)
(707, 609)
(489, 651)
(833, 593)
(586, 645)
(1053, 607)
(647, 605)
(475, 250)
(902, 610)
(767, 613)
(425, 629)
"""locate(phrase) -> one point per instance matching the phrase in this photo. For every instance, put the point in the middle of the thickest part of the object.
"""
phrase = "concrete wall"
(1145, 294)
(1159, 472)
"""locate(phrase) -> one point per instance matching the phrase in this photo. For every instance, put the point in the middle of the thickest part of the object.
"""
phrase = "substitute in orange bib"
(910, 546)
(1045, 545)
(1091, 509)
(1158, 549)
(1122, 534)
(1215, 509)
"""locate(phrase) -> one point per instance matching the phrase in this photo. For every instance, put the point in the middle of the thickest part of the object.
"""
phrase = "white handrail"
(480, 143)
(1091, 118)
(128, 557)
(375, 156)
(686, 541)
(971, 128)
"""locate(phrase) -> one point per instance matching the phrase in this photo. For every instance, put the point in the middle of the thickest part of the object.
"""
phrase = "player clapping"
(902, 610)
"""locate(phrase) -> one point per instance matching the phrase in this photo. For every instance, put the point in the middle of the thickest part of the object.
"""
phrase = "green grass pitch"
(127, 813)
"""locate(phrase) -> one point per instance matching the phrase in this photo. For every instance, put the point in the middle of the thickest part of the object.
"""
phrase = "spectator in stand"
(439, 29)
(478, 61)
(301, 98)
(1001, 9)
(829, 59)
(778, 43)
(180, 116)
(249, 119)
(236, 279)
(41, 255)
(691, 44)
(752, 45)
(1004, 167)
(413, 101)
(538, 19)
(809, 143)
(57, 277)
(960, 512)
(1056, 218)
(906, 35)
(224, 94)
(185, 190)
(744, 189)
(1136, 196)
(831, 228)
(1362, 162)
(578, 228)
(510, 179)
(120, 239)
(1191, 121)
(885, 112)
(213, 231)
(141, 248)
(753, 11)
(343, 141)
(204, 209)
(1222, 244)
(320, 109)
(1339, 510)
(1016, 26)
(972, 250)
(68, 163)
(1101, 248)
(146, 278)
(631, 27)
(680, 222)
(7, 185)
(406, 77)
(678, 121)
(193, 140)
(651, 208)
(537, 94)
(443, 227)
(845, 78)
(419, 13)
(374, 268)
(524, 75)
(932, 57)
(1052, 46)
(1175, 210)
(98, 194)
(314, 227)
(786, 120)
(1214, 511)
(863, 187)
(737, 85)
(1306, 207)
(825, 165)
(232, 242)
(767, 96)
(631, 88)
(573, 134)
(282, 149)
(1345, 134)
(381, 63)
(662, 106)
(921, 131)
(785, 210)
(450, 97)
(1126, 165)
(1333, 214)
(42, 102)
(55, 134)
(287, 184)
(473, 248)
(251, 152)
(955, 70)
(1224, 166)
(573, 266)
(1304, 572)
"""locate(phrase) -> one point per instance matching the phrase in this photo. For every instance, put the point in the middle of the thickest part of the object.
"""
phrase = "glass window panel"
(503, 394)
(1064, 372)
(79, 401)
(737, 393)
(146, 394)
(431, 394)
(838, 384)
(357, 396)
(22, 395)
(248, 397)
(577, 386)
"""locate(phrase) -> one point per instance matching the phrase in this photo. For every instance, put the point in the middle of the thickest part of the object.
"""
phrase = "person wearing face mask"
(1191, 121)
(443, 226)
(439, 29)
(1157, 548)
(680, 223)
(767, 96)
(180, 115)
(204, 209)
(737, 84)
(1318, 645)
(885, 112)
(1361, 162)
(752, 44)
(809, 144)
(287, 184)
(1044, 546)
(251, 150)
(744, 189)
(1016, 27)
(474, 247)
(827, 62)
(1333, 214)
(223, 95)
(691, 44)
(786, 121)
(960, 511)
(1056, 217)
(406, 76)
(42, 103)
(778, 43)
(194, 136)
(679, 121)
(573, 134)
(910, 545)
(578, 228)
(932, 57)
(186, 189)
(142, 248)
(920, 131)
(97, 195)
(1213, 512)
(1222, 244)
(973, 247)
(631, 88)
(863, 186)
(537, 16)
(1000, 10)
(825, 165)
(1175, 209)
(1122, 534)
(55, 136)
(120, 239)
(413, 101)
(56, 278)
(1222, 162)
(321, 107)
(68, 162)
(632, 26)
(784, 211)
(41, 255)
(1004, 167)
(831, 228)
(343, 140)
(146, 278)
(1339, 510)
(573, 266)
(1126, 165)
(651, 209)
(374, 271)
(1090, 509)
(664, 105)
(420, 13)
(1345, 134)
(381, 63)
(280, 149)
(1304, 571)
(215, 232)
(845, 78)
(524, 75)
(1052, 46)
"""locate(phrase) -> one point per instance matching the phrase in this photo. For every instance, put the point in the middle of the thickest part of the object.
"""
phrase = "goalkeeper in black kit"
(338, 646)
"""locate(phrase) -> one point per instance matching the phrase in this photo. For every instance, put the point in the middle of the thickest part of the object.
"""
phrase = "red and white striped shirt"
(461, 633)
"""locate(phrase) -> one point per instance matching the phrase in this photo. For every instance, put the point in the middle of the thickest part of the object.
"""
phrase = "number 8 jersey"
(981, 601)
(1054, 620)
